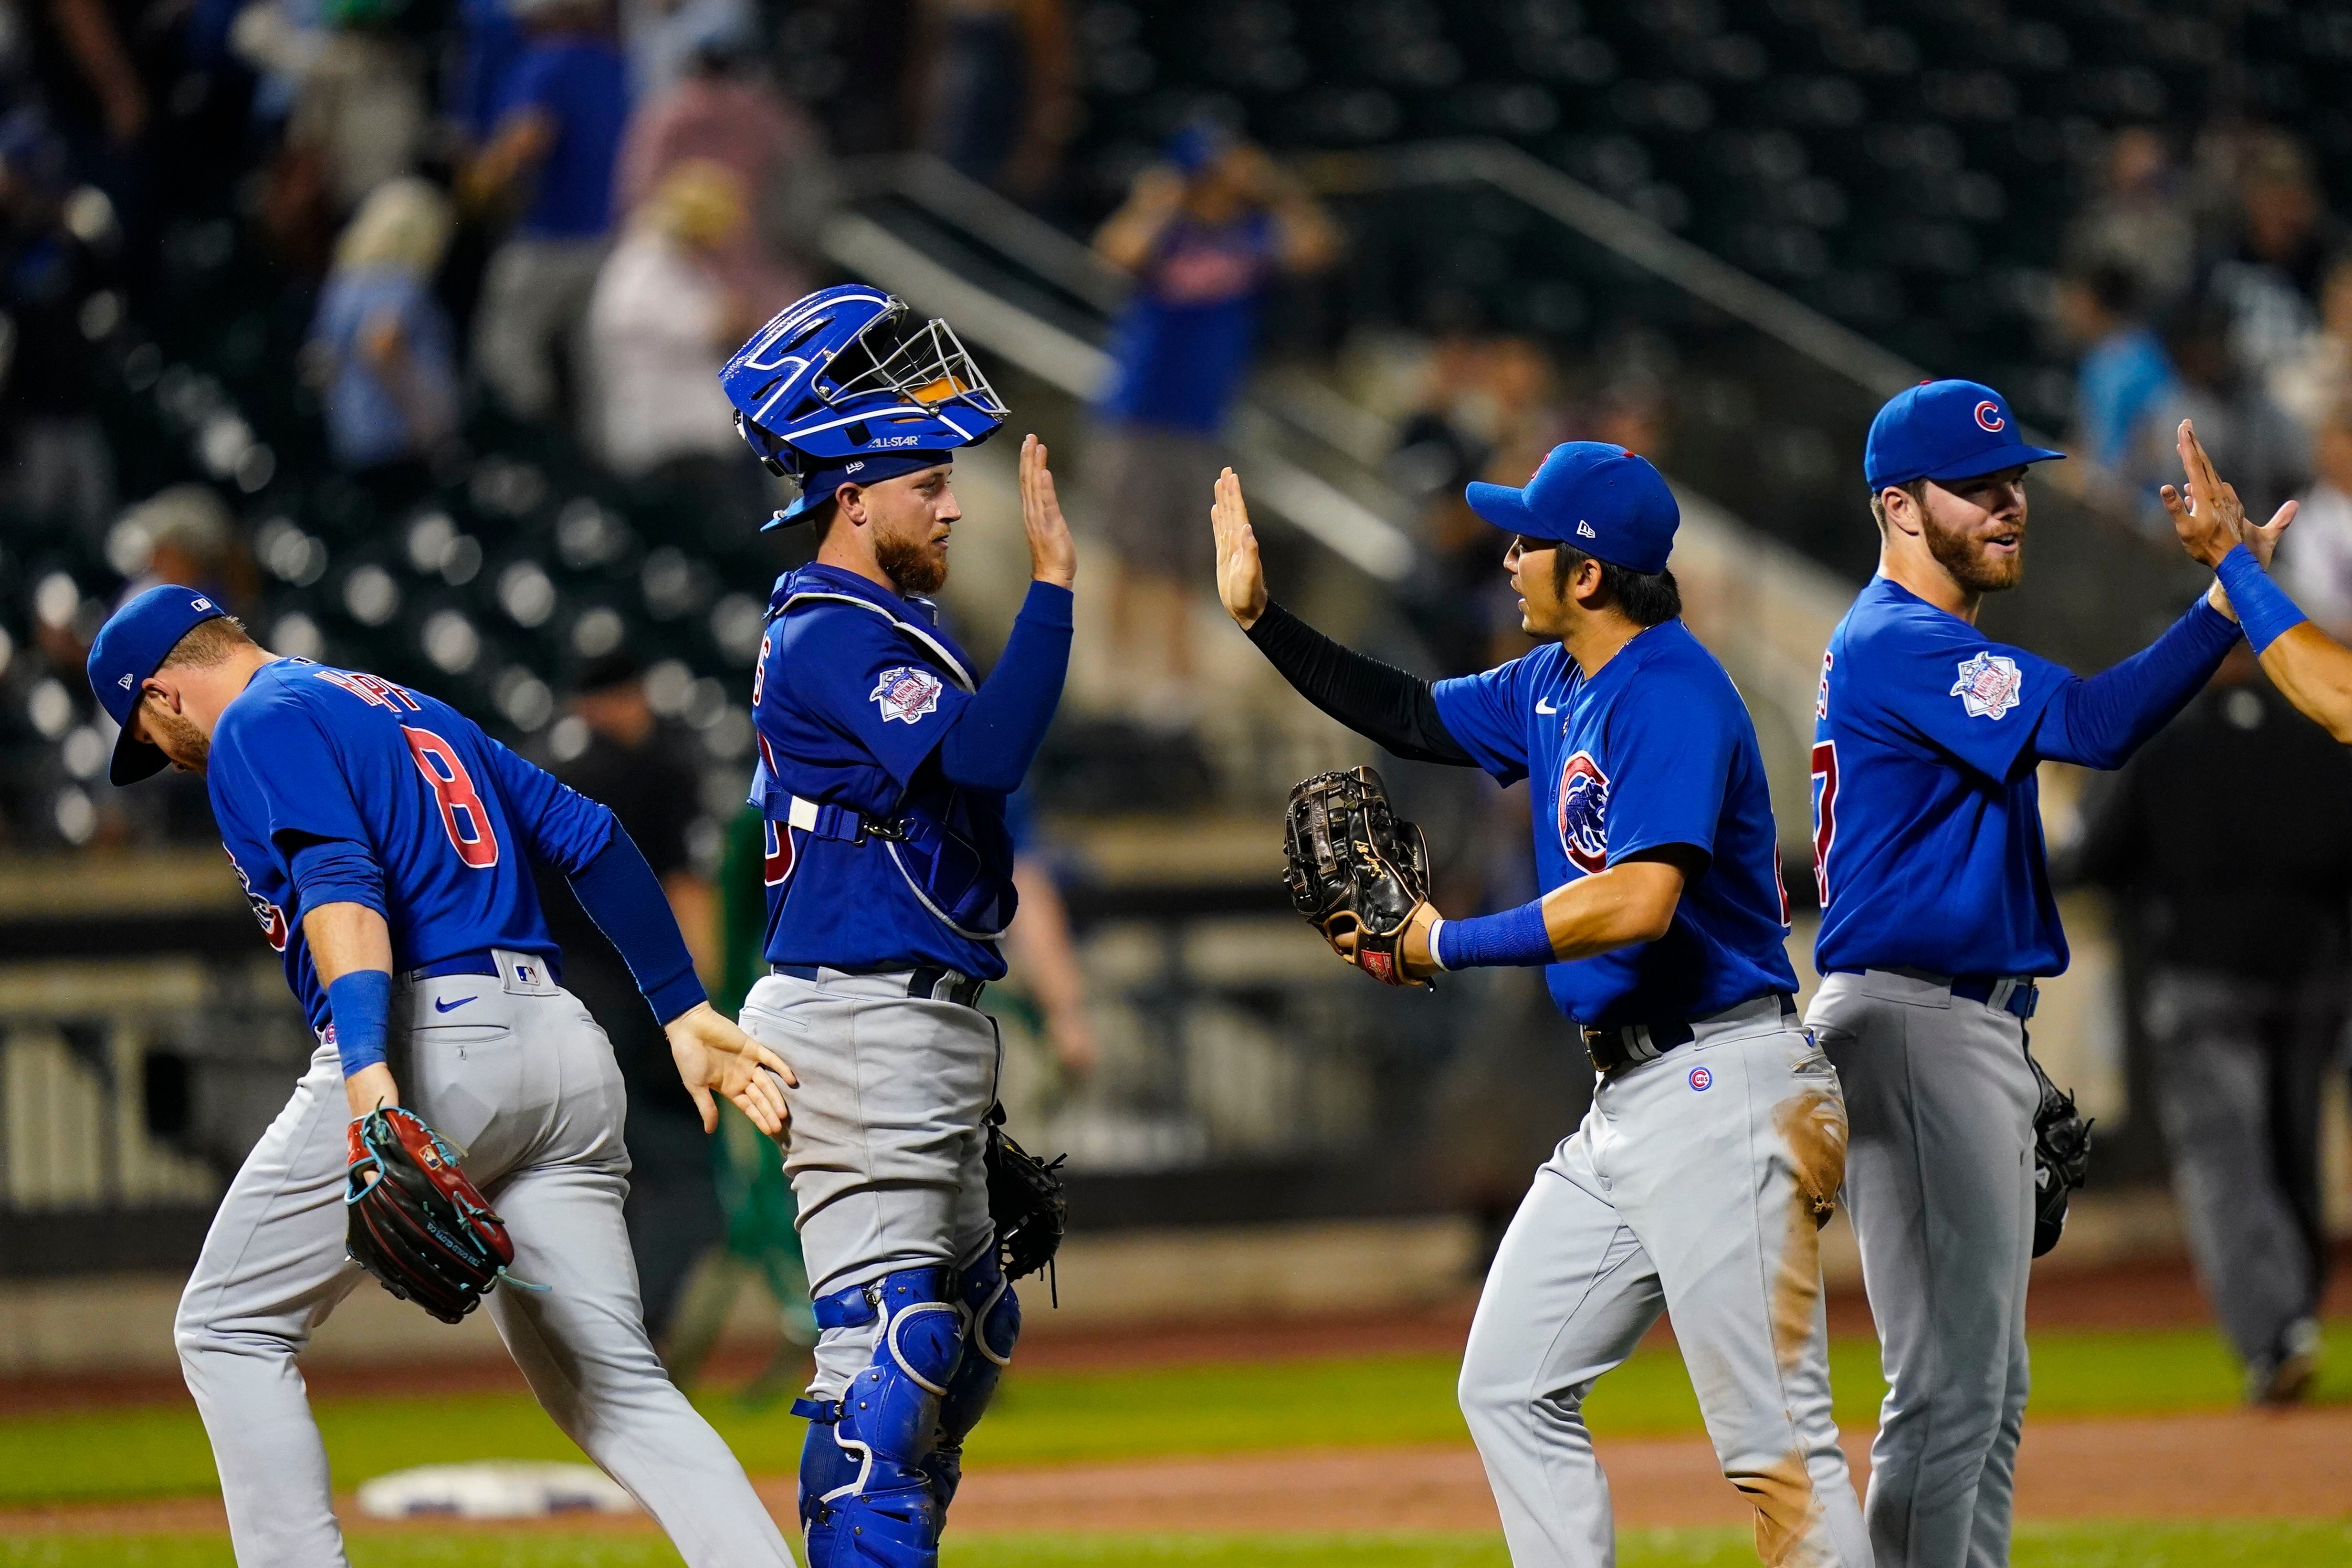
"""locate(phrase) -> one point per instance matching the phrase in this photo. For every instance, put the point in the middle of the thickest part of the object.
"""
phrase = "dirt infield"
(2243, 1464)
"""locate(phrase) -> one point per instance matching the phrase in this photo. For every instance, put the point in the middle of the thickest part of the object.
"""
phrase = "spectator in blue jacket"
(381, 347)
(565, 103)
(1206, 233)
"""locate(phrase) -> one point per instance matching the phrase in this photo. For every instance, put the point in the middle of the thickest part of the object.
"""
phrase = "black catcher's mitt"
(1354, 867)
(416, 1222)
(2062, 1158)
(1026, 1200)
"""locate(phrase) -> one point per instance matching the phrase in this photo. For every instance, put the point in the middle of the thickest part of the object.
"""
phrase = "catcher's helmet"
(841, 377)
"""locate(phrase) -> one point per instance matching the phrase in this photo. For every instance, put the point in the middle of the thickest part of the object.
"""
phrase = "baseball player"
(884, 770)
(1936, 920)
(381, 837)
(1716, 1138)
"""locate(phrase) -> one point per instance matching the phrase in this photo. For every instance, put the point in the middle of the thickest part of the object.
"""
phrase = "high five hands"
(1240, 576)
(2207, 514)
(1052, 557)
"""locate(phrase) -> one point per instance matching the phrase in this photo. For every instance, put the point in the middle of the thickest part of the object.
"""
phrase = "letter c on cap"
(1988, 415)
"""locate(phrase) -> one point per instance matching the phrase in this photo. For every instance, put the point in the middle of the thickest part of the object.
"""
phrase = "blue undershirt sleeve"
(997, 735)
(621, 895)
(2100, 721)
(336, 871)
(2262, 605)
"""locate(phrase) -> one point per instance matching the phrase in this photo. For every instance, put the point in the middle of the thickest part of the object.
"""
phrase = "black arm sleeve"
(1379, 702)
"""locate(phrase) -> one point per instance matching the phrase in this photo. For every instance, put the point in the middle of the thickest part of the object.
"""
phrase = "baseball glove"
(2062, 1158)
(1026, 1201)
(416, 1223)
(1354, 867)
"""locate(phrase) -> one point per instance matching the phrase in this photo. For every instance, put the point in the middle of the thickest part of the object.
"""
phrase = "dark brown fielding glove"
(1354, 867)
(1026, 1201)
(2062, 1158)
(416, 1222)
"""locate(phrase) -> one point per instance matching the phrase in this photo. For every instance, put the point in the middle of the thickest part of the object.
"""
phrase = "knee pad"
(992, 1326)
(876, 1505)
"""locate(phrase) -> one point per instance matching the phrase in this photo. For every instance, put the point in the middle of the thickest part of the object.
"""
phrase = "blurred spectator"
(489, 43)
(1206, 233)
(2314, 383)
(2123, 370)
(185, 535)
(1000, 89)
(381, 345)
(1039, 945)
(566, 102)
(2270, 278)
(2239, 917)
(54, 285)
(726, 110)
(2314, 559)
(358, 103)
(661, 324)
(105, 68)
(2267, 455)
(2138, 222)
(643, 775)
(663, 38)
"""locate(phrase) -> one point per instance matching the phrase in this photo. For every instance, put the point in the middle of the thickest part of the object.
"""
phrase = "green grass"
(1044, 1417)
(2227, 1545)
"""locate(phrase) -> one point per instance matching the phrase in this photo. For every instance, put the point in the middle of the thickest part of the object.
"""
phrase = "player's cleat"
(2286, 1374)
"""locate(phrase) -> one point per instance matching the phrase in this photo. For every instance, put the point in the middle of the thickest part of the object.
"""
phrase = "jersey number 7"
(462, 812)
(1825, 783)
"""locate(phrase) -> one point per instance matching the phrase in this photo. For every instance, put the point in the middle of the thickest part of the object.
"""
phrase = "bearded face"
(1976, 530)
(175, 734)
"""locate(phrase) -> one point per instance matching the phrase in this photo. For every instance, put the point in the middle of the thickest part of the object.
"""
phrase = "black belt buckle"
(1611, 1049)
(924, 984)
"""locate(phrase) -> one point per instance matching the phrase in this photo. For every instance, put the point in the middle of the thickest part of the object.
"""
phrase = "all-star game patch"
(1989, 685)
(907, 692)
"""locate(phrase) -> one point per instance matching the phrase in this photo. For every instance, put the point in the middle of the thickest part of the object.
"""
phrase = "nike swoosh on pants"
(441, 1006)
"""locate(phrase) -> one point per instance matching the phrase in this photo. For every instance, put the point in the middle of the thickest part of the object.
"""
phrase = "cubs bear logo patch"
(906, 692)
(1583, 806)
(1989, 685)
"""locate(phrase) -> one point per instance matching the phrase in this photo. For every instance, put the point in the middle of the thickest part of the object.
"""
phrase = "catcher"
(380, 839)
(1716, 1142)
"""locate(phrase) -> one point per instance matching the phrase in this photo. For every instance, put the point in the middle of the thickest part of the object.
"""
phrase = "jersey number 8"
(462, 812)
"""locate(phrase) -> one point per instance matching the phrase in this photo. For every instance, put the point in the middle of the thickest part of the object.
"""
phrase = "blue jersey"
(1655, 749)
(307, 753)
(856, 688)
(1926, 817)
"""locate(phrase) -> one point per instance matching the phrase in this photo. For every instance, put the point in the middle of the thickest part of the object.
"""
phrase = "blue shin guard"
(993, 1325)
(865, 1499)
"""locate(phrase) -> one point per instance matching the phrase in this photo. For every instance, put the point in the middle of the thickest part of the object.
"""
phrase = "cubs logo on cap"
(1944, 429)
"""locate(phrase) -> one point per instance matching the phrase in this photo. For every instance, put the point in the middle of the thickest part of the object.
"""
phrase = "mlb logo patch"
(905, 693)
(1989, 685)
(1701, 1079)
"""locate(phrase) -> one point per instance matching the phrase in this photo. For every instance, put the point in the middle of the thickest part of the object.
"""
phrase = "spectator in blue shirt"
(381, 346)
(1206, 233)
(2124, 371)
(565, 103)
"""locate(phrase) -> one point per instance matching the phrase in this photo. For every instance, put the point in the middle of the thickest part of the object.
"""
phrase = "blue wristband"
(2263, 608)
(360, 1004)
(1516, 938)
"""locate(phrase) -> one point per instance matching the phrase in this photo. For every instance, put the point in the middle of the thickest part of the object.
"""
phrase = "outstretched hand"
(1240, 576)
(712, 1054)
(2207, 514)
(1052, 558)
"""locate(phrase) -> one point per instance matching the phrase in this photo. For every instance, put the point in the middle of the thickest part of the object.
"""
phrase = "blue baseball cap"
(1944, 429)
(129, 646)
(1603, 500)
(822, 484)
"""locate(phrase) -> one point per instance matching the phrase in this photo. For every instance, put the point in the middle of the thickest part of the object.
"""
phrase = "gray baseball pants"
(513, 1072)
(886, 1155)
(1697, 1186)
(1939, 1183)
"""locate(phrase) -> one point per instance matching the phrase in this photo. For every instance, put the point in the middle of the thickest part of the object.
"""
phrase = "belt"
(481, 961)
(1612, 1048)
(928, 983)
(2016, 995)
